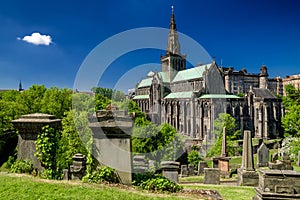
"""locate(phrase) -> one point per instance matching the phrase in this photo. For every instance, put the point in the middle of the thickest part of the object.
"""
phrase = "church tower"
(173, 61)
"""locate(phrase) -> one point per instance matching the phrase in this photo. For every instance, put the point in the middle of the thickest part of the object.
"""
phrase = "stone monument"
(112, 129)
(223, 161)
(170, 170)
(212, 176)
(77, 170)
(201, 166)
(247, 175)
(139, 164)
(278, 184)
(29, 126)
(262, 156)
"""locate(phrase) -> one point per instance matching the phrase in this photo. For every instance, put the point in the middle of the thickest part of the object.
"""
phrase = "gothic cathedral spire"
(173, 43)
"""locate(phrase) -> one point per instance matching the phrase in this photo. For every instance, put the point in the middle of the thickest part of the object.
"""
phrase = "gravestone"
(247, 175)
(112, 131)
(262, 156)
(278, 184)
(212, 176)
(170, 170)
(77, 170)
(215, 162)
(191, 169)
(65, 174)
(286, 160)
(298, 162)
(29, 126)
(184, 172)
(139, 164)
(201, 166)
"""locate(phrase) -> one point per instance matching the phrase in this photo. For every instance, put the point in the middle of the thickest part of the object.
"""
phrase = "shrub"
(102, 174)
(22, 166)
(194, 157)
(152, 182)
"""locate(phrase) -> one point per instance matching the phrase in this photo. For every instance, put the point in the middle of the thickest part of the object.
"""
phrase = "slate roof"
(263, 93)
(141, 96)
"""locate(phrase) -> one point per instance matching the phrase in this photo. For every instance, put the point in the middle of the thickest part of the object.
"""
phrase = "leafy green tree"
(160, 143)
(56, 101)
(227, 121)
(83, 102)
(70, 142)
(194, 157)
(31, 99)
(101, 102)
(291, 119)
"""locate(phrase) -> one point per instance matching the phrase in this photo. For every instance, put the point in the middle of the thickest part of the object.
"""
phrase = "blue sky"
(241, 34)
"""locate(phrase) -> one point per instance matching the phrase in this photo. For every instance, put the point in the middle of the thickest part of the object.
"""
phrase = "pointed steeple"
(20, 86)
(173, 23)
(173, 43)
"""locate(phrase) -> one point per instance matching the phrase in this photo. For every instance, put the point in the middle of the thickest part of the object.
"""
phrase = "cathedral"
(191, 99)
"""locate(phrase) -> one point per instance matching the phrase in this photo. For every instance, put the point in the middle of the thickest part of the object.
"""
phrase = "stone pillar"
(112, 131)
(170, 170)
(29, 126)
(224, 153)
(227, 83)
(260, 123)
(247, 175)
(247, 157)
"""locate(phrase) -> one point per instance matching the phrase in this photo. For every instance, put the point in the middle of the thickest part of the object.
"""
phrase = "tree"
(160, 143)
(56, 101)
(227, 121)
(291, 119)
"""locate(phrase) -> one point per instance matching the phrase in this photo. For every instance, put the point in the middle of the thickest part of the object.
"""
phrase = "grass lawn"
(27, 187)
(16, 186)
(228, 192)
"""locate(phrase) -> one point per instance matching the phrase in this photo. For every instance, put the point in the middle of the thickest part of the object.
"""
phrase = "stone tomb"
(278, 184)
(112, 141)
(139, 164)
(29, 126)
(170, 170)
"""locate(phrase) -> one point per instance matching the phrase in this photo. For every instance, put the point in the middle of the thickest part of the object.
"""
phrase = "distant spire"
(173, 23)
(20, 86)
(173, 43)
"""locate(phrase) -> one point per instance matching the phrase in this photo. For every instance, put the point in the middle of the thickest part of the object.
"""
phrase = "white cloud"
(37, 39)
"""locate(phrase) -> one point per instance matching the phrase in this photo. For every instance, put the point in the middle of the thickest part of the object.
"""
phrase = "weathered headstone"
(65, 174)
(112, 131)
(286, 160)
(215, 162)
(278, 184)
(201, 166)
(77, 170)
(247, 176)
(139, 164)
(224, 164)
(170, 170)
(184, 171)
(191, 169)
(29, 126)
(211, 176)
(262, 156)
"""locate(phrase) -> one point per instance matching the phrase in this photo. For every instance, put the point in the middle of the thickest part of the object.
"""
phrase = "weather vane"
(172, 9)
